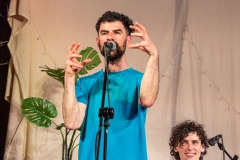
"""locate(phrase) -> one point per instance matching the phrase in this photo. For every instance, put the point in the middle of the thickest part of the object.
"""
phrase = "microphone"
(111, 45)
(214, 140)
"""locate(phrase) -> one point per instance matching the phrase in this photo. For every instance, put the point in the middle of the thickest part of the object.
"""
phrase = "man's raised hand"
(146, 43)
(73, 66)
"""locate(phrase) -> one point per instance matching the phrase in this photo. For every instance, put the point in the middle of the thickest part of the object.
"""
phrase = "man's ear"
(203, 148)
(129, 39)
(97, 41)
(175, 149)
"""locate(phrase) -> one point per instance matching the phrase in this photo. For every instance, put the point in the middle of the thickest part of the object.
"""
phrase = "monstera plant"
(41, 112)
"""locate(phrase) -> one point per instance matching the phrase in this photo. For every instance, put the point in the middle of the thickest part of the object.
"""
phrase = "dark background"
(5, 32)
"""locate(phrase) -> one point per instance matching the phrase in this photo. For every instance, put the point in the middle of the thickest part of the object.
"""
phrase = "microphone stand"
(221, 147)
(104, 112)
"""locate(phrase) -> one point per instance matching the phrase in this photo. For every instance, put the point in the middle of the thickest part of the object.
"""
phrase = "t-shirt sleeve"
(139, 81)
(81, 91)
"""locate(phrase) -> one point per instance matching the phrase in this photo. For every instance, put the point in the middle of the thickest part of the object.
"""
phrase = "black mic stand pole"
(104, 112)
(221, 147)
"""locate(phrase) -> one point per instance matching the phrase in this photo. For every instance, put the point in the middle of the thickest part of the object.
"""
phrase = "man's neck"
(118, 65)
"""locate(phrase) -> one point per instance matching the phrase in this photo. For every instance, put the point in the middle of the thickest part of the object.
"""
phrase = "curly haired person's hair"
(181, 131)
(111, 16)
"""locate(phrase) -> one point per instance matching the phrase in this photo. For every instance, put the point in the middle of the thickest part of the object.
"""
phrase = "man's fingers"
(72, 64)
(73, 56)
(76, 67)
(73, 47)
(86, 61)
(76, 64)
(136, 34)
(140, 26)
(137, 46)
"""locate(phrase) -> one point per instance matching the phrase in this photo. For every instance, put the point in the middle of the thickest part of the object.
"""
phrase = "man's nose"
(110, 36)
(190, 146)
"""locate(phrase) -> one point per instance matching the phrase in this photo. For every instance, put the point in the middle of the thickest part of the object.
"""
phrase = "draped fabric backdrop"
(198, 42)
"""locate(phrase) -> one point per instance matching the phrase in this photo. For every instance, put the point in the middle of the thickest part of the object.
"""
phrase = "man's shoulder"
(94, 75)
(134, 71)
(90, 78)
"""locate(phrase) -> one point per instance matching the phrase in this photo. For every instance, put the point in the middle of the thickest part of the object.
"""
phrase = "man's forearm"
(70, 107)
(150, 82)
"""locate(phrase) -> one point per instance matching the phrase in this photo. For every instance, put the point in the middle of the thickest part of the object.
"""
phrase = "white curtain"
(199, 50)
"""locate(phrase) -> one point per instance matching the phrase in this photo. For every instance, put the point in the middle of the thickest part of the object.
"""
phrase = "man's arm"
(73, 111)
(150, 81)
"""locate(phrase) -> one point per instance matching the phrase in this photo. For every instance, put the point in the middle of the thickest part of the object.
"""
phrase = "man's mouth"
(190, 154)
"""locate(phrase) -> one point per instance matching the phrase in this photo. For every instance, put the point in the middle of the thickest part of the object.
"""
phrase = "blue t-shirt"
(126, 138)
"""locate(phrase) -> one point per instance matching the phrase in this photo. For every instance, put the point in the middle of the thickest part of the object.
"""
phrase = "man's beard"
(116, 54)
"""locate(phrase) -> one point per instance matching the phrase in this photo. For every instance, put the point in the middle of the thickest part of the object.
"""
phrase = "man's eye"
(182, 143)
(103, 33)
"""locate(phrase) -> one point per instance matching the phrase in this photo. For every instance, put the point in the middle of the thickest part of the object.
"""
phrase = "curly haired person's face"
(113, 31)
(190, 148)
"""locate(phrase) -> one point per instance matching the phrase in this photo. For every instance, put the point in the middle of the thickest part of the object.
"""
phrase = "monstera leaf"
(38, 111)
(88, 53)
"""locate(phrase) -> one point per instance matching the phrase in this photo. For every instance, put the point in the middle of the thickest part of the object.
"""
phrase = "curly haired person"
(188, 141)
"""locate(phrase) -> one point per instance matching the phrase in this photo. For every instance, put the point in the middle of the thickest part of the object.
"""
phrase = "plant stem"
(65, 147)
(75, 147)
(71, 142)
(59, 130)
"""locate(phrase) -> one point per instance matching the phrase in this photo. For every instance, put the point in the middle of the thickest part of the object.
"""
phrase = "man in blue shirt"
(131, 92)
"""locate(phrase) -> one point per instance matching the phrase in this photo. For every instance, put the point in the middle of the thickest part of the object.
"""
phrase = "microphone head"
(214, 140)
(111, 45)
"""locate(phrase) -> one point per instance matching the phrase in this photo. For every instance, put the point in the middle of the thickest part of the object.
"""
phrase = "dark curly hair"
(111, 16)
(181, 131)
